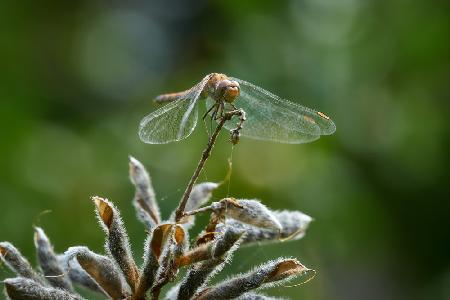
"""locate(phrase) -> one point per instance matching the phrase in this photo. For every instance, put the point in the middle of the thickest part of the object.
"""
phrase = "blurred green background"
(76, 78)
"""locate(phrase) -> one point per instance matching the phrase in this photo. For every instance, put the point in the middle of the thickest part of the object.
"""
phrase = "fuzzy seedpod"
(293, 227)
(78, 275)
(267, 275)
(251, 212)
(197, 276)
(48, 261)
(20, 288)
(200, 195)
(175, 245)
(144, 199)
(117, 244)
(153, 248)
(17, 263)
(101, 269)
(254, 296)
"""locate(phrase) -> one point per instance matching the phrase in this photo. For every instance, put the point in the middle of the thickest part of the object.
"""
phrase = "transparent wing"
(174, 121)
(279, 120)
(165, 124)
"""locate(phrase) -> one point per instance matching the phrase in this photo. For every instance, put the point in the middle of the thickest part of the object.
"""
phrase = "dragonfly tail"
(166, 98)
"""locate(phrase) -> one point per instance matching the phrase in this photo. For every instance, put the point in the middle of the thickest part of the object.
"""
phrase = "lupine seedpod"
(17, 263)
(152, 251)
(144, 200)
(224, 243)
(102, 269)
(254, 296)
(180, 239)
(49, 263)
(117, 244)
(175, 247)
(20, 288)
(178, 245)
(270, 274)
(201, 193)
(198, 275)
(251, 212)
(172, 294)
(293, 223)
(78, 275)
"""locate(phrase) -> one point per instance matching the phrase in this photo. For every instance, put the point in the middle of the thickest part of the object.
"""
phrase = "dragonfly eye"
(231, 93)
(228, 90)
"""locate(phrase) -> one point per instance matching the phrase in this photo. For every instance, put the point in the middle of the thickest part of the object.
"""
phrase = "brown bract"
(160, 235)
(104, 210)
(286, 269)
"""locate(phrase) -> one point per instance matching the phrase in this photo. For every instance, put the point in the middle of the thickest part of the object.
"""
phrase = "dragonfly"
(268, 117)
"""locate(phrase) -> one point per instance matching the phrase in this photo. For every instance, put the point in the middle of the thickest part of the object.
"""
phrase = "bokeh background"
(77, 76)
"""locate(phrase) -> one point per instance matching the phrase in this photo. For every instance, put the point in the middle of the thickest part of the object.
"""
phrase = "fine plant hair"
(168, 247)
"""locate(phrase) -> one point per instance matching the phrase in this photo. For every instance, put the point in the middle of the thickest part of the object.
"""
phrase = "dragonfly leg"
(214, 113)
(214, 110)
(220, 111)
(209, 110)
(231, 108)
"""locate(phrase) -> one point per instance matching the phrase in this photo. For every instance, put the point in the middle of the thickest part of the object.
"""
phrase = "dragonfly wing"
(275, 119)
(169, 123)
(174, 121)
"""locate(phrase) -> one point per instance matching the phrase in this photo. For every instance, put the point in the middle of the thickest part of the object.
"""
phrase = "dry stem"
(206, 153)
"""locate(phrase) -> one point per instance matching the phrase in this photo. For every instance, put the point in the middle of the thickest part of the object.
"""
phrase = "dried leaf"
(159, 238)
(105, 211)
(179, 235)
(117, 244)
(20, 288)
(49, 263)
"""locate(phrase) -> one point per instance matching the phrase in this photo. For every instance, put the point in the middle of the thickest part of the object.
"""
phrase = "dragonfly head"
(227, 90)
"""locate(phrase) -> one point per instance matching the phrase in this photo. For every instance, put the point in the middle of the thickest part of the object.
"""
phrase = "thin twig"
(196, 211)
(206, 153)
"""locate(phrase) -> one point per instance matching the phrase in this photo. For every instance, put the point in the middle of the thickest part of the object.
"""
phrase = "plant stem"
(205, 155)
(196, 211)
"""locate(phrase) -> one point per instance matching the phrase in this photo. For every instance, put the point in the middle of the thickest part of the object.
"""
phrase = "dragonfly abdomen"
(165, 98)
